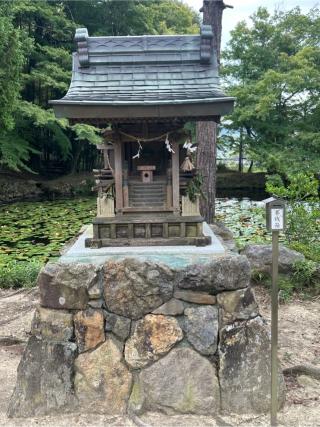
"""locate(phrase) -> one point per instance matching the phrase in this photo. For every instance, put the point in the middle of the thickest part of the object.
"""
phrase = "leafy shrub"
(286, 288)
(19, 274)
(304, 277)
(303, 280)
(303, 214)
(310, 250)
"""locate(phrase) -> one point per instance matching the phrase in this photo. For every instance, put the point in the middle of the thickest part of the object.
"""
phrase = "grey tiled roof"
(143, 70)
(144, 78)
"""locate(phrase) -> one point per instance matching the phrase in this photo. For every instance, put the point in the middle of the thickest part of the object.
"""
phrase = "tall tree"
(207, 131)
(273, 68)
(12, 57)
(39, 37)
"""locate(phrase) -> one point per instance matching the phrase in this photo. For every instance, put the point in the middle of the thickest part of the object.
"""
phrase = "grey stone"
(222, 231)
(134, 288)
(260, 258)
(136, 401)
(201, 326)
(225, 235)
(153, 337)
(237, 305)
(181, 382)
(50, 324)
(96, 291)
(222, 274)
(45, 379)
(66, 285)
(119, 325)
(195, 297)
(102, 381)
(245, 368)
(173, 307)
(96, 303)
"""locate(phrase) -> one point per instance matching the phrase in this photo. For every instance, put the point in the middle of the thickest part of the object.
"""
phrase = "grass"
(19, 274)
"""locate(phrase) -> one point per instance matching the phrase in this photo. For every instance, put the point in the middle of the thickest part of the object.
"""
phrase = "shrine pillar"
(118, 175)
(175, 179)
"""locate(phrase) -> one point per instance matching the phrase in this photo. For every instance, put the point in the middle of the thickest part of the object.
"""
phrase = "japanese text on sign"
(277, 219)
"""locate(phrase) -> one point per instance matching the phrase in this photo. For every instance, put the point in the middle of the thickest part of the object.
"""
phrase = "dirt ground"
(299, 342)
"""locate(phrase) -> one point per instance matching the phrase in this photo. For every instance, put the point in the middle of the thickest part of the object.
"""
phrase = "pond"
(38, 230)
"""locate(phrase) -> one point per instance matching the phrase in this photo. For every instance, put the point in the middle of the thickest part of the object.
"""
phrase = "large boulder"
(133, 289)
(260, 258)
(89, 329)
(45, 379)
(237, 305)
(221, 274)
(153, 337)
(181, 382)
(201, 325)
(102, 381)
(245, 368)
(50, 324)
(66, 285)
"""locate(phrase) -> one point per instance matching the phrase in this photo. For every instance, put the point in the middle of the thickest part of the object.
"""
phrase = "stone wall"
(135, 336)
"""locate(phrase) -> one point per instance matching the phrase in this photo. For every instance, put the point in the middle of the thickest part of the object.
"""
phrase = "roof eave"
(121, 110)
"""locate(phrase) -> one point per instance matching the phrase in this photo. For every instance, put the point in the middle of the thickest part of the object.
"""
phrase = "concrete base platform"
(173, 256)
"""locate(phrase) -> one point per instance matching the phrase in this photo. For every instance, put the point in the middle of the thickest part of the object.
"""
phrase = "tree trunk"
(206, 164)
(207, 131)
(241, 151)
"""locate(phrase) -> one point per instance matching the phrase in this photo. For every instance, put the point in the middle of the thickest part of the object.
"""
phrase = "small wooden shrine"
(141, 91)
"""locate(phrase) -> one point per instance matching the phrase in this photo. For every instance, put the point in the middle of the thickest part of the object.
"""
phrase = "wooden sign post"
(275, 215)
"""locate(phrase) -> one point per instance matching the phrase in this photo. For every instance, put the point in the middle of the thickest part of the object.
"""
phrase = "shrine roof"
(141, 76)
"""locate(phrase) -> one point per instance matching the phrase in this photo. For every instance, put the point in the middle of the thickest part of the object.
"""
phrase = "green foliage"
(303, 281)
(11, 62)
(286, 288)
(303, 216)
(19, 274)
(87, 133)
(310, 251)
(304, 274)
(36, 41)
(194, 188)
(133, 17)
(272, 68)
(38, 230)
(245, 219)
(13, 151)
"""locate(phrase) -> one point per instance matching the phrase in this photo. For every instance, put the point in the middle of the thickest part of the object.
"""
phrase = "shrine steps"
(147, 194)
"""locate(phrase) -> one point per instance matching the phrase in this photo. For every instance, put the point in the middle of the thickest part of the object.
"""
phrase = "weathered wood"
(199, 229)
(105, 207)
(165, 230)
(125, 196)
(148, 231)
(189, 208)
(182, 229)
(125, 188)
(118, 175)
(130, 230)
(144, 219)
(113, 234)
(174, 241)
(175, 178)
(147, 209)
